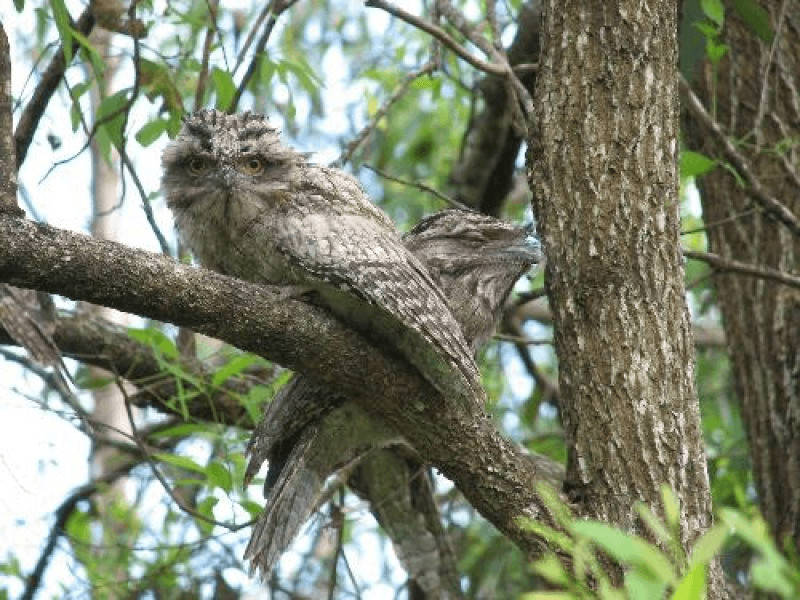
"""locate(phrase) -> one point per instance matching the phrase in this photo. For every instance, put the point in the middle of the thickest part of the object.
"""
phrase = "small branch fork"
(771, 205)
(499, 65)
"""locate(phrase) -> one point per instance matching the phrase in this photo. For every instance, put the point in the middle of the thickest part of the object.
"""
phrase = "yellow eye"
(197, 165)
(253, 165)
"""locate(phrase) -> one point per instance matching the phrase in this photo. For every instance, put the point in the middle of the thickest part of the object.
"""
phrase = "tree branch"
(495, 475)
(441, 35)
(29, 119)
(734, 266)
(8, 167)
(756, 191)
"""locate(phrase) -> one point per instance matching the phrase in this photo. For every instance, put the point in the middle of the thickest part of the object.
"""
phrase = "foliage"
(653, 563)
(326, 72)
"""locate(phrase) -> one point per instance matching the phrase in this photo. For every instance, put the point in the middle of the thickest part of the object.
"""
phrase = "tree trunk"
(603, 170)
(756, 101)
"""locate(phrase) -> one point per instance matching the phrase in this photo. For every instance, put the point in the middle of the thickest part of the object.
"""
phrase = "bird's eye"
(253, 165)
(197, 165)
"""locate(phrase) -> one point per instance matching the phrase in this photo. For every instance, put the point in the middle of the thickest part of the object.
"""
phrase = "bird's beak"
(228, 176)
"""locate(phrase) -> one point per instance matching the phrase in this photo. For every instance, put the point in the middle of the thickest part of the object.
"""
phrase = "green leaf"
(694, 164)
(551, 569)
(714, 10)
(756, 18)
(61, 16)
(627, 549)
(206, 507)
(182, 462)
(94, 56)
(706, 29)
(641, 585)
(693, 585)
(151, 131)
(19, 5)
(219, 476)
(156, 339)
(233, 367)
(223, 86)
(253, 508)
(715, 51)
(157, 82)
(769, 575)
(182, 430)
(709, 544)
(550, 596)
(304, 75)
(110, 120)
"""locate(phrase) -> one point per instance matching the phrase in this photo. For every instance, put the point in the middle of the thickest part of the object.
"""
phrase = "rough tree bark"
(755, 94)
(496, 476)
(603, 167)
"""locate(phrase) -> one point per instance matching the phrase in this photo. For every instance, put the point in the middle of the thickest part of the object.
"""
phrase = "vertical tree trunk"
(603, 170)
(756, 102)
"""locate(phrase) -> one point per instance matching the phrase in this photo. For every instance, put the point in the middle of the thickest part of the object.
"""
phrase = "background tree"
(435, 101)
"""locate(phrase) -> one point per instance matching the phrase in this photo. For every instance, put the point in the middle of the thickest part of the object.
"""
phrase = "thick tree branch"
(495, 475)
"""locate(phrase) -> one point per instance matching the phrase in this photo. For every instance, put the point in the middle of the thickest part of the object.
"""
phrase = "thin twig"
(441, 35)
(756, 191)
(420, 186)
(398, 93)
(521, 339)
(157, 473)
(763, 101)
(148, 210)
(734, 266)
(29, 119)
(67, 507)
(708, 226)
(251, 36)
(276, 9)
(202, 77)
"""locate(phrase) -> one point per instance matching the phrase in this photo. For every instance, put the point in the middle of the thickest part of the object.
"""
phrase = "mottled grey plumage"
(308, 432)
(250, 207)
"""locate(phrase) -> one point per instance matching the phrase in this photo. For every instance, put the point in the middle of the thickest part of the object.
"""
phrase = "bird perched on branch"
(309, 433)
(250, 207)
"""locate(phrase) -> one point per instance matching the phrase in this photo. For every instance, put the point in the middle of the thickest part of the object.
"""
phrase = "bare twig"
(501, 70)
(277, 7)
(419, 186)
(138, 440)
(708, 226)
(398, 93)
(148, 210)
(763, 101)
(29, 119)
(252, 35)
(498, 55)
(202, 77)
(734, 266)
(755, 190)
(67, 507)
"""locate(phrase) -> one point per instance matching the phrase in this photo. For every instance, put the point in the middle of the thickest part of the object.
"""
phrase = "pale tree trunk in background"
(757, 102)
(109, 413)
(605, 180)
